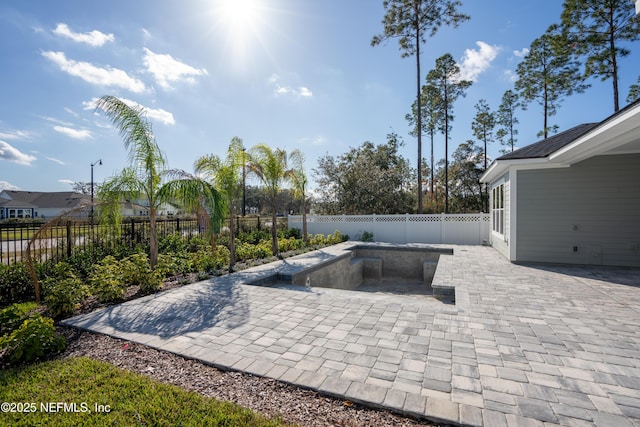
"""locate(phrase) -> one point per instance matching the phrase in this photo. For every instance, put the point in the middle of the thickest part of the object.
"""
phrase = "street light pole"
(244, 189)
(97, 162)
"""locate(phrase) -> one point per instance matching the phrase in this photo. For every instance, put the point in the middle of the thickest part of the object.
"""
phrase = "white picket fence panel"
(462, 229)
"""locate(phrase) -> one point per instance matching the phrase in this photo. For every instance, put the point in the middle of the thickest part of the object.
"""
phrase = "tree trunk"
(274, 231)
(419, 124)
(153, 237)
(232, 245)
(614, 62)
(305, 236)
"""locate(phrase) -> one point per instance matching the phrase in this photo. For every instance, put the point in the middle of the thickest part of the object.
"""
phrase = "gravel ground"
(269, 397)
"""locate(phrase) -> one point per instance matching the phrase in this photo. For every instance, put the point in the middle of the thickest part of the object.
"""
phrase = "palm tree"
(298, 178)
(226, 177)
(270, 166)
(143, 179)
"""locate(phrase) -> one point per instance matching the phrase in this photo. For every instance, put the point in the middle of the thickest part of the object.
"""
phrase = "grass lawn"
(101, 394)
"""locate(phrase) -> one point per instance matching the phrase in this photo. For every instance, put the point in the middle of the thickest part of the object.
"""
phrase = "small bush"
(11, 317)
(33, 339)
(293, 233)
(15, 284)
(106, 280)
(317, 240)
(366, 236)
(64, 292)
(172, 243)
(203, 260)
(290, 244)
(136, 271)
(336, 238)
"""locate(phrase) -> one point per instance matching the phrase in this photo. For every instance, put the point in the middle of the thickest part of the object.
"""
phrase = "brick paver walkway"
(522, 346)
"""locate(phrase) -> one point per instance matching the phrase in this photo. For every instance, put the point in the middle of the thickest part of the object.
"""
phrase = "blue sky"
(288, 73)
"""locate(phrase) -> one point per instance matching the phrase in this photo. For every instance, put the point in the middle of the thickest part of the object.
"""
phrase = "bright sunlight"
(242, 23)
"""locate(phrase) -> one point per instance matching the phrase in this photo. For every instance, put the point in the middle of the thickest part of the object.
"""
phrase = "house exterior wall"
(500, 242)
(588, 213)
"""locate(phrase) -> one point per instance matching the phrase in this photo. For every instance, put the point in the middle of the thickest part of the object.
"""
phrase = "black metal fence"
(65, 238)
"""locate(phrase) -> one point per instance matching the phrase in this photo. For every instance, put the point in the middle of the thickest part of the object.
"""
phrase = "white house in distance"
(39, 204)
(571, 198)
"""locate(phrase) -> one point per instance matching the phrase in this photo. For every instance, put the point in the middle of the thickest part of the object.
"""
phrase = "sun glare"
(242, 25)
(238, 14)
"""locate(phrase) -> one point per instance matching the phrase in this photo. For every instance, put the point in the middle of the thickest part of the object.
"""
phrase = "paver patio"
(522, 346)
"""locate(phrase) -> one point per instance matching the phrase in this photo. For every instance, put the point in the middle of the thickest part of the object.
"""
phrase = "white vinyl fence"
(462, 229)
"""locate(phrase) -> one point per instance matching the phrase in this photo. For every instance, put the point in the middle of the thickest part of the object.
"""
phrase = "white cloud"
(475, 62)
(60, 162)
(12, 154)
(521, 53)
(67, 181)
(92, 38)
(318, 140)
(167, 70)
(73, 133)
(16, 134)
(510, 76)
(4, 185)
(70, 111)
(305, 92)
(278, 89)
(163, 116)
(110, 77)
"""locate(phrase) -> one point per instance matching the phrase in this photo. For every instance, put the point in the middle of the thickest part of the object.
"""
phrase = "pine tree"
(595, 29)
(445, 77)
(507, 120)
(548, 74)
(411, 21)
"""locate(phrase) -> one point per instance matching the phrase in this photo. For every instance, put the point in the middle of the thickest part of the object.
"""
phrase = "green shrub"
(15, 284)
(64, 291)
(172, 264)
(136, 271)
(337, 237)
(82, 261)
(317, 240)
(106, 280)
(172, 243)
(293, 233)
(11, 317)
(366, 236)
(290, 244)
(255, 236)
(203, 260)
(33, 339)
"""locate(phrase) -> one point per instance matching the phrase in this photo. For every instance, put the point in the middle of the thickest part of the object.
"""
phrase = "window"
(498, 209)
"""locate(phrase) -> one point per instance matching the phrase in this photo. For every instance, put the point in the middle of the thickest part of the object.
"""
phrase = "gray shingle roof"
(553, 143)
(39, 199)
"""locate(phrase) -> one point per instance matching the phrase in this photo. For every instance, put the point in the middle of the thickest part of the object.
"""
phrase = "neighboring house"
(572, 198)
(141, 208)
(38, 204)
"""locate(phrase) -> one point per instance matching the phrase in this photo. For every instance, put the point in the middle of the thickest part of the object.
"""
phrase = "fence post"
(178, 225)
(69, 239)
(133, 232)
(442, 226)
(406, 228)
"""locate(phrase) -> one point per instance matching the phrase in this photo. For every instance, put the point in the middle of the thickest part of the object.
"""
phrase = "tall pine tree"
(547, 74)
(411, 21)
(445, 77)
(507, 120)
(596, 30)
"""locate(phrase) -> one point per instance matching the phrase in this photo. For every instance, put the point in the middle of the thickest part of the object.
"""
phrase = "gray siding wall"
(586, 214)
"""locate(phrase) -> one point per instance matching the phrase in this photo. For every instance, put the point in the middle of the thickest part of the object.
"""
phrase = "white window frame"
(497, 209)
